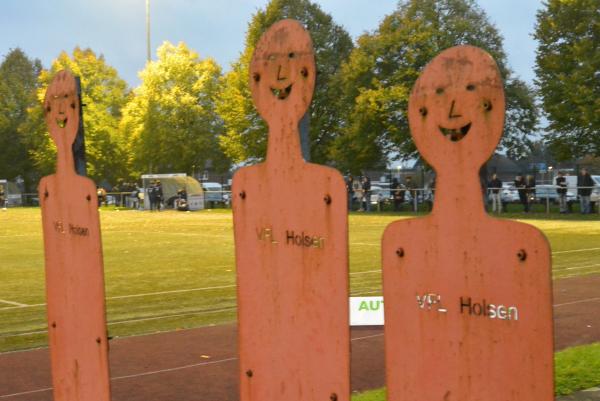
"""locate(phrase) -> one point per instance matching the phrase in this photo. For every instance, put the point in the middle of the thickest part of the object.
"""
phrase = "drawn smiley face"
(457, 104)
(282, 71)
(61, 107)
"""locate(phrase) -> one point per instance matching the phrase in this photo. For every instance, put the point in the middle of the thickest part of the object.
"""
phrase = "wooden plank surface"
(291, 236)
(73, 255)
(468, 301)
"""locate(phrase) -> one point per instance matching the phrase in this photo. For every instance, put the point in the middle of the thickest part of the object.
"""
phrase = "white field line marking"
(26, 392)
(18, 306)
(204, 312)
(133, 376)
(365, 272)
(174, 315)
(576, 250)
(139, 295)
(219, 287)
(175, 368)
(577, 267)
(13, 303)
(154, 372)
(366, 337)
(577, 302)
(206, 235)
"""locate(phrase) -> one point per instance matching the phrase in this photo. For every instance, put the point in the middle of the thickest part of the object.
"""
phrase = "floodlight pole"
(149, 57)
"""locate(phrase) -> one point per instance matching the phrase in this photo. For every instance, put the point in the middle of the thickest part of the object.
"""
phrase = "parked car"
(213, 192)
(509, 193)
(380, 195)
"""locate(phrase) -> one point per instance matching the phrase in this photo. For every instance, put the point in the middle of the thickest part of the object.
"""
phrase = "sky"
(213, 28)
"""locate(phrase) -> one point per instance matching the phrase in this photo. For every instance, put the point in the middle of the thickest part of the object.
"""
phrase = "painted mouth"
(282, 93)
(455, 134)
(62, 122)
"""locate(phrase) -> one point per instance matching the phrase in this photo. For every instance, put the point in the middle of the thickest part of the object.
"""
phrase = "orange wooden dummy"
(468, 308)
(291, 237)
(74, 272)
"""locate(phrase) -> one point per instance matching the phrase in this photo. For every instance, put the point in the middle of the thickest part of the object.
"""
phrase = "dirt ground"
(201, 364)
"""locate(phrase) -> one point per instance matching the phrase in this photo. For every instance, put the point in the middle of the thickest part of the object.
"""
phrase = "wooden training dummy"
(74, 272)
(468, 300)
(291, 236)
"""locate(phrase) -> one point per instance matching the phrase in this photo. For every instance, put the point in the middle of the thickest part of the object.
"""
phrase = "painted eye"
(423, 111)
(256, 77)
(470, 87)
(73, 106)
(292, 55)
(304, 72)
(439, 91)
(271, 57)
(48, 109)
(487, 105)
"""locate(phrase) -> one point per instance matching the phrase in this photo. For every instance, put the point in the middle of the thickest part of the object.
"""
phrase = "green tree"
(246, 133)
(18, 84)
(377, 80)
(104, 94)
(171, 121)
(568, 75)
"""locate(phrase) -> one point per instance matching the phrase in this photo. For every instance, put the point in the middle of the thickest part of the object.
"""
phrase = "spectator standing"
(2, 197)
(398, 194)
(101, 193)
(410, 186)
(158, 194)
(561, 190)
(358, 192)
(349, 190)
(135, 193)
(585, 185)
(366, 186)
(521, 186)
(530, 184)
(496, 193)
(152, 195)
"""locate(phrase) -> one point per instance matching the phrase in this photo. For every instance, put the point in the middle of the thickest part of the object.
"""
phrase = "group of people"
(525, 186)
(400, 189)
(359, 190)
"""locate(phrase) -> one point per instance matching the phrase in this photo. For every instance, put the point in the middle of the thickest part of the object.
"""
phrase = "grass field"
(171, 270)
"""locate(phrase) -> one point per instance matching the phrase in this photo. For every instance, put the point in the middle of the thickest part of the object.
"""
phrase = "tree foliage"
(568, 75)
(18, 84)
(377, 79)
(245, 137)
(171, 122)
(104, 94)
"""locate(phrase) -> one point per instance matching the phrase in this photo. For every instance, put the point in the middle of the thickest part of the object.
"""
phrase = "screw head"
(243, 194)
(327, 199)
(400, 252)
(89, 198)
(249, 373)
(333, 397)
(98, 340)
(522, 255)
